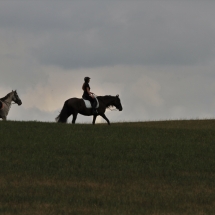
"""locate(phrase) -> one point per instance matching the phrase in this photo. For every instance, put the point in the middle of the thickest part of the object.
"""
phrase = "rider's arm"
(90, 93)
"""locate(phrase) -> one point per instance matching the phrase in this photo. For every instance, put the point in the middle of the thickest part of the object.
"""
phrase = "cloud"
(147, 90)
(152, 96)
(158, 56)
(132, 36)
(20, 113)
(144, 33)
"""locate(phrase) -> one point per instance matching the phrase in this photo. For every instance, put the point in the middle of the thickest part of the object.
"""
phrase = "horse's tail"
(64, 114)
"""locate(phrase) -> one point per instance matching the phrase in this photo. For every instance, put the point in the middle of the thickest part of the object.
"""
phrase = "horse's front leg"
(94, 119)
(103, 115)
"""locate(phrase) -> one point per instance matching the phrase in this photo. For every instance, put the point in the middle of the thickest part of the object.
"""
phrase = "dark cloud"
(43, 16)
(94, 34)
(175, 35)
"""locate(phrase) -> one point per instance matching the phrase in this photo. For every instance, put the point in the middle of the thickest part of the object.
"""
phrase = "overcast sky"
(159, 56)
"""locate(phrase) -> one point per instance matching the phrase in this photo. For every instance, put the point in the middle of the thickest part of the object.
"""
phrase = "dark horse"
(74, 106)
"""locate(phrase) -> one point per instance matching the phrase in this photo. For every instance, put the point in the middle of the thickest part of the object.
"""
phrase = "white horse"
(5, 103)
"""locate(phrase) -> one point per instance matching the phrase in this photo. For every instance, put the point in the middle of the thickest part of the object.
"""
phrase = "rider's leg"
(94, 105)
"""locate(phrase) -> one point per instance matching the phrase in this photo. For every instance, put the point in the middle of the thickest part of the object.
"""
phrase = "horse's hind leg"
(75, 114)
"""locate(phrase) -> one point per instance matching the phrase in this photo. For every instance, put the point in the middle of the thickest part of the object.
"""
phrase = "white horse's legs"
(4, 118)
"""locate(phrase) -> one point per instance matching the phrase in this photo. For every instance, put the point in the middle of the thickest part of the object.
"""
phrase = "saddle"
(88, 103)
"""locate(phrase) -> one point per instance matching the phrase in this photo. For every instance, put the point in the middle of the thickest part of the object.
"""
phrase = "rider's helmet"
(86, 79)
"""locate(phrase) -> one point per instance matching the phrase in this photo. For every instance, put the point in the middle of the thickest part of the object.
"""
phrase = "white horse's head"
(16, 98)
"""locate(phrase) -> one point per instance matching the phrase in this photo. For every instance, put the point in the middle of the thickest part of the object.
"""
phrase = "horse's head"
(117, 103)
(16, 98)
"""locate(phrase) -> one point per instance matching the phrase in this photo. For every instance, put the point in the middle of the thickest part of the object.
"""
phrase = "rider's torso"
(85, 86)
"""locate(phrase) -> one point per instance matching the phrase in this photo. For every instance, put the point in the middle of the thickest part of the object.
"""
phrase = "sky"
(158, 55)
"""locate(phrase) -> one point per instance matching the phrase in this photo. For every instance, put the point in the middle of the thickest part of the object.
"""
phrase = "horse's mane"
(105, 98)
(5, 97)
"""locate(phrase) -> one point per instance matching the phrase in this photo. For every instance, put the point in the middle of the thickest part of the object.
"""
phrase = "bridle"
(112, 109)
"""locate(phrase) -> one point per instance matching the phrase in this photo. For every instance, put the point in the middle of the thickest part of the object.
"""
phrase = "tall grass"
(126, 168)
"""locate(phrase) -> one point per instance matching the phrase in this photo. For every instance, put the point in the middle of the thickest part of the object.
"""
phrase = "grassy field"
(126, 168)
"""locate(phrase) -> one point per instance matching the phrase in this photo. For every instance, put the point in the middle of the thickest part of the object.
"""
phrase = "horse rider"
(87, 95)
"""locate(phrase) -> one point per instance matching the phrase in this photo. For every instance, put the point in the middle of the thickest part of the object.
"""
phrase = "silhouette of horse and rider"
(75, 106)
(72, 106)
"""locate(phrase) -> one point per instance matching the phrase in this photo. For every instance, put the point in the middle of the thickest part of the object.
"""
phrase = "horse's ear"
(117, 95)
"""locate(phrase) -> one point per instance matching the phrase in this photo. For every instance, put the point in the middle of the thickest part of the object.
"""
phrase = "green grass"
(126, 168)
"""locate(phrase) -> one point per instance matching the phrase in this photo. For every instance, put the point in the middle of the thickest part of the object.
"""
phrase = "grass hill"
(127, 168)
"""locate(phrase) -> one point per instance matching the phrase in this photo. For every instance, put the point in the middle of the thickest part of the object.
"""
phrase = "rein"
(107, 107)
(111, 109)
